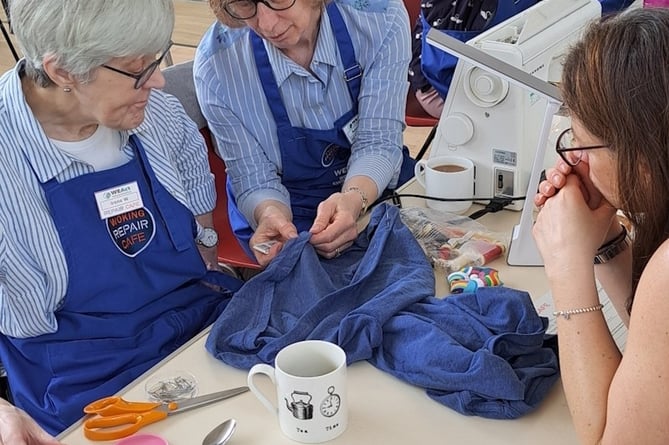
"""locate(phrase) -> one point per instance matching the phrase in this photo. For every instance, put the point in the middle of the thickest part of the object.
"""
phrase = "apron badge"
(329, 155)
(132, 231)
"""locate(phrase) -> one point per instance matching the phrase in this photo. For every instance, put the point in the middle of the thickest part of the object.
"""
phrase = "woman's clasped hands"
(578, 212)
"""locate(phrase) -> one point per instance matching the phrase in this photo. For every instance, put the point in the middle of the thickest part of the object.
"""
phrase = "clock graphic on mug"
(331, 403)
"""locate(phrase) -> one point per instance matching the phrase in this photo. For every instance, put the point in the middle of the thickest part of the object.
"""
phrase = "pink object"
(655, 3)
(143, 439)
(431, 102)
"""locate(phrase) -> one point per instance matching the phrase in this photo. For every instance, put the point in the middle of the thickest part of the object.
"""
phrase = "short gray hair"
(84, 34)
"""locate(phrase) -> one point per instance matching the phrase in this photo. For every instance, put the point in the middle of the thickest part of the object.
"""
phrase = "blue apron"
(134, 295)
(314, 162)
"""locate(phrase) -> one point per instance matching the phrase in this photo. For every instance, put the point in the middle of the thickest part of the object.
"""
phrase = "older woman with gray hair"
(306, 101)
(105, 194)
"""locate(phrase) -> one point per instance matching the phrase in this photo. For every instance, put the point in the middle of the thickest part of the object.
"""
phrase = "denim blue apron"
(134, 295)
(314, 162)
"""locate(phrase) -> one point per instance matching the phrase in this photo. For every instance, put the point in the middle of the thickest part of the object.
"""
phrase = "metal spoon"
(221, 434)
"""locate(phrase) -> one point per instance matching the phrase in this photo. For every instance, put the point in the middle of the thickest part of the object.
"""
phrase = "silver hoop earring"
(67, 90)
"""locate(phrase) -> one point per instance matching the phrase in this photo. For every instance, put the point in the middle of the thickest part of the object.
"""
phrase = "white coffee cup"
(447, 177)
(310, 381)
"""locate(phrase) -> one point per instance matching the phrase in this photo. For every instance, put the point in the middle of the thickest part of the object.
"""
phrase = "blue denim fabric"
(344, 300)
(478, 353)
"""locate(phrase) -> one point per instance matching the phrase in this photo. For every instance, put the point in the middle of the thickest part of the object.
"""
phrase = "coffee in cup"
(450, 177)
(449, 168)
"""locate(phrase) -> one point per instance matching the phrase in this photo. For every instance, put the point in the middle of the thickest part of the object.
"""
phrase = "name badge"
(350, 128)
(117, 200)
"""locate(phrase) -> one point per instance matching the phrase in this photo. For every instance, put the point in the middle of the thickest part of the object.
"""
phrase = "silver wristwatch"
(614, 247)
(208, 237)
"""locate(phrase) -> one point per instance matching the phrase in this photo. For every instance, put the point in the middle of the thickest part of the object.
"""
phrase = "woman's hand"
(568, 231)
(274, 225)
(17, 428)
(335, 227)
(556, 178)
(209, 256)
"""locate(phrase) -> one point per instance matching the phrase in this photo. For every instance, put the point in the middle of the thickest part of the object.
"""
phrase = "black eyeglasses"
(143, 77)
(568, 152)
(246, 9)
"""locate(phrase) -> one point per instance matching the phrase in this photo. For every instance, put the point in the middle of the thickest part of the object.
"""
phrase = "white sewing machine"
(496, 124)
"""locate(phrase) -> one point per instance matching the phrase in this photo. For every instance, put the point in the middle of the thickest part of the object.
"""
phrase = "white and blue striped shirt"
(33, 272)
(232, 99)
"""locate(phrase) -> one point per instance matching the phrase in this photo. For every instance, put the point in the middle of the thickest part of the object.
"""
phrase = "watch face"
(208, 238)
(330, 405)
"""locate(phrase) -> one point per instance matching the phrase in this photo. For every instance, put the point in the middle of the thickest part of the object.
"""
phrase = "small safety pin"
(264, 247)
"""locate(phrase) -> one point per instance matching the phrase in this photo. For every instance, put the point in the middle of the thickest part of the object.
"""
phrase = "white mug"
(310, 381)
(447, 177)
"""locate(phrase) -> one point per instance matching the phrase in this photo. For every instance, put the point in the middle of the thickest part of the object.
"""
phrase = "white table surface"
(382, 409)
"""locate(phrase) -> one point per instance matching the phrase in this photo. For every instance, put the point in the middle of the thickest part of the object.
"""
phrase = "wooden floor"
(192, 20)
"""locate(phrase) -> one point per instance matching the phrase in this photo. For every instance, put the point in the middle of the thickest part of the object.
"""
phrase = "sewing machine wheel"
(458, 128)
(483, 88)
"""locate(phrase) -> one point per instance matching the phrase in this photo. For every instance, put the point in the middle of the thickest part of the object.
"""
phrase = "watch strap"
(614, 247)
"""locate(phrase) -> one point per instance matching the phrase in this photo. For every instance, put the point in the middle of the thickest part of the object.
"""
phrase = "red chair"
(229, 250)
(415, 115)
(179, 83)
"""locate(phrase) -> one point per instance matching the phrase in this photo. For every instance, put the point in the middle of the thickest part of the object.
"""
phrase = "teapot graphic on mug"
(300, 406)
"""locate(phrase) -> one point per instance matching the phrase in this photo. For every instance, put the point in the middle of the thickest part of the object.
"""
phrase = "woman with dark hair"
(605, 216)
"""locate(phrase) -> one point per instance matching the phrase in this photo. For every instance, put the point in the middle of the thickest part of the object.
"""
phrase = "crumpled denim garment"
(344, 300)
(478, 353)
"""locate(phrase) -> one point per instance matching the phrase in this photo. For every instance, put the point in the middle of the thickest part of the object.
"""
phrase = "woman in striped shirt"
(103, 178)
(306, 101)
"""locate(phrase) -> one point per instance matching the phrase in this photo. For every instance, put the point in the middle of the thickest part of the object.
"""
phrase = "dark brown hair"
(615, 81)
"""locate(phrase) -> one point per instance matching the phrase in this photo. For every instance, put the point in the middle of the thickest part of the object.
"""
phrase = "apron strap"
(179, 241)
(268, 83)
(352, 69)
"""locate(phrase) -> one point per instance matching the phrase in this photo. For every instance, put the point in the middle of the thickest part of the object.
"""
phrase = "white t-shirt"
(102, 150)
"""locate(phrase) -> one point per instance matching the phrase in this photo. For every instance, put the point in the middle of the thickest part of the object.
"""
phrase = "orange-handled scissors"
(115, 418)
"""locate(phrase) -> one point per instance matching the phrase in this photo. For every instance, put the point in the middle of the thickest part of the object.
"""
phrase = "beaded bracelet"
(363, 196)
(568, 313)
